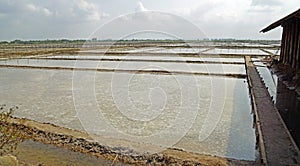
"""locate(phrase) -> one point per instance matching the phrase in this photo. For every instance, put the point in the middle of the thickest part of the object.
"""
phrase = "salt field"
(88, 82)
(236, 51)
(214, 111)
(176, 67)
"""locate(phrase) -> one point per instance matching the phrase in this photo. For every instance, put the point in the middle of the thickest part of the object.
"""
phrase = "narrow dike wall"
(277, 147)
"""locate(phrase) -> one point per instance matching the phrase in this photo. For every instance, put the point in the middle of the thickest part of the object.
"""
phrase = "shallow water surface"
(236, 51)
(286, 101)
(132, 65)
(135, 57)
(208, 115)
(35, 153)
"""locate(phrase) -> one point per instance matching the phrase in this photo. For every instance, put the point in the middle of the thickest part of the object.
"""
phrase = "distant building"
(290, 41)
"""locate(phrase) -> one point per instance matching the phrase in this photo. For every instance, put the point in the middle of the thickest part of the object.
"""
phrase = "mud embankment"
(9, 55)
(81, 142)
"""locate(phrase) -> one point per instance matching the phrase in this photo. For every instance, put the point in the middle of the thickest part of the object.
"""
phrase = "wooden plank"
(286, 45)
(293, 43)
(290, 43)
(296, 44)
(293, 31)
(282, 45)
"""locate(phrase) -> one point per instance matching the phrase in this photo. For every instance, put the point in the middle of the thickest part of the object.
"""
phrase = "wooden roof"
(281, 21)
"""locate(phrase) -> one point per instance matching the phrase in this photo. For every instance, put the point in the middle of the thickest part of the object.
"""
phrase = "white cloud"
(90, 9)
(80, 10)
(140, 7)
(236, 18)
(39, 9)
(264, 9)
(86, 6)
(218, 18)
(147, 24)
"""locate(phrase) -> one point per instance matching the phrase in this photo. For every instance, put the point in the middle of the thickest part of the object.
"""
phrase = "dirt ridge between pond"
(81, 142)
(140, 60)
(154, 72)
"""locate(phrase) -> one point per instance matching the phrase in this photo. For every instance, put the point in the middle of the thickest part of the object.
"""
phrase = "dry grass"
(10, 136)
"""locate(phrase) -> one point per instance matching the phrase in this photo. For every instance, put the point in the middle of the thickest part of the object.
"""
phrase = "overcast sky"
(243, 19)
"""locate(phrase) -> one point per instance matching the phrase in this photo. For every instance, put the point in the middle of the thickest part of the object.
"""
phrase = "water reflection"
(289, 108)
(285, 100)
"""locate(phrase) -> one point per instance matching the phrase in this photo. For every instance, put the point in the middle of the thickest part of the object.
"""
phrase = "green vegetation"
(10, 136)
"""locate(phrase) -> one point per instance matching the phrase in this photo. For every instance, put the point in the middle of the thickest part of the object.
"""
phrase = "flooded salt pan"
(274, 51)
(139, 106)
(236, 51)
(269, 78)
(112, 57)
(128, 65)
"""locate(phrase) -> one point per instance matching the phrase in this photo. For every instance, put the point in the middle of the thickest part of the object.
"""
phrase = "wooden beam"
(282, 45)
(293, 44)
(298, 44)
(290, 41)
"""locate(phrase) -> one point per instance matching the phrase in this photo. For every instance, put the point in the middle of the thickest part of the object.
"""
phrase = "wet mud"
(80, 142)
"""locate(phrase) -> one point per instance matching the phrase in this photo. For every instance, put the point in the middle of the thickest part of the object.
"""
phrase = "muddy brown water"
(35, 153)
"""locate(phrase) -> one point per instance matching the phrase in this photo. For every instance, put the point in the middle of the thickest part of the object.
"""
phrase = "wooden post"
(285, 49)
(298, 43)
(282, 45)
(292, 46)
(286, 44)
(296, 54)
(289, 52)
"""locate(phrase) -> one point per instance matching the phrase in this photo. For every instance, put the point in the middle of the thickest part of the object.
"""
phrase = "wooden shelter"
(290, 41)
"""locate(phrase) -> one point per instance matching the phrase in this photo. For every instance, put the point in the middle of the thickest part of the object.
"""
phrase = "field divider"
(154, 72)
(182, 54)
(143, 60)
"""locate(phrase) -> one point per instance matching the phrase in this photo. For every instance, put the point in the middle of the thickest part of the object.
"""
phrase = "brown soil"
(81, 142)
(40, 52)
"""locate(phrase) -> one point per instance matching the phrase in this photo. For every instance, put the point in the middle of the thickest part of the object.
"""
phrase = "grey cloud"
(145, 22)
(48, 19)
(140, 7)
(266, 3)
(78, 18)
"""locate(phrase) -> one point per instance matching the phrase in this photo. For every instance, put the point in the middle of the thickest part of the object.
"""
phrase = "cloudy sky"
(51, 19)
